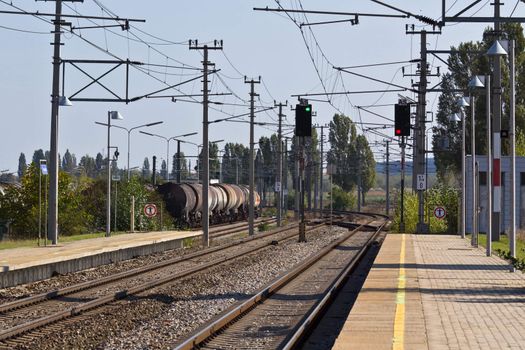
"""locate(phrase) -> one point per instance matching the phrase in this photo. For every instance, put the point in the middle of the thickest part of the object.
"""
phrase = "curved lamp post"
(129, 136)
(115, 116)
(462, 103)
(168, 139)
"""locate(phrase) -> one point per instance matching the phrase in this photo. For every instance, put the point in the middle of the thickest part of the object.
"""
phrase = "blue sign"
(43, 169)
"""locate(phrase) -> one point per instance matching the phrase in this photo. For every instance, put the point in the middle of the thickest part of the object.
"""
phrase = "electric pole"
(278, 184)
(194, 45)
(387, 169)
(285, 177)
(178, 162)
(53, 169)
(419, 167)
(358, 179)
(251, 217)
(321, 172)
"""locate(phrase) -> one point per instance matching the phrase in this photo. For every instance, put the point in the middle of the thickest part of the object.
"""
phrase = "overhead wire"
(140, 69)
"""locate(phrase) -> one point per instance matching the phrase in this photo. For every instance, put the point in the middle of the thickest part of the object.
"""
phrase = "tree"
(145, 169)
(266, 162)
(88, 166)
(312, 165)
(213, 151)
(462, 65)
(22, 165)
(235, 163)
(342, 137)
(351, 154)
(99, 163)
(68, 162)
(164, 170)
(38, 155)
(19, 205)
(179, 159)
(366, 166)
(341, 200)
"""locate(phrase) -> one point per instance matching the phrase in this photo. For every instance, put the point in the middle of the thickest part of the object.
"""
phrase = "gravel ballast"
(158, 318)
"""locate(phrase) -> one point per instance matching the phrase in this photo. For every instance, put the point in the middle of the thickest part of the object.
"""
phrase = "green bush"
(342, 200)
(20, 205)
(264, 226)
(439, 195)
(269, 212)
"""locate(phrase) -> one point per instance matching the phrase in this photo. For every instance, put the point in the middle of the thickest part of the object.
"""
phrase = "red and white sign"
(150, 210)
(440, 213)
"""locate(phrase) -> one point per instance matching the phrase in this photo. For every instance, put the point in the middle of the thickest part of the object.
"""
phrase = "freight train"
(226, 202)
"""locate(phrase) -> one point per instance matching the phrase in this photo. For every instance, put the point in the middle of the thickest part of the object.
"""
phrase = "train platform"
(436, 292)
(29, 264)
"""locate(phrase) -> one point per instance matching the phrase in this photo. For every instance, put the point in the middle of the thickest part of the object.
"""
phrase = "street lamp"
(115, 116)
(496, 51)
(512, 234)
(129, 136)
(477, 83)
(168, 139)
(43, 171)
(461, 103)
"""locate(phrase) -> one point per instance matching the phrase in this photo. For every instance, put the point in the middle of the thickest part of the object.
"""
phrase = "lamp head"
(462, 102)
(454, 118)
(475, 82)
(116, 115)
(64, 101)
(496, 50)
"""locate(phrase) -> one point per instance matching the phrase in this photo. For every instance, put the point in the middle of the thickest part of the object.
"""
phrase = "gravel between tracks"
(61, 281)
(157, 318)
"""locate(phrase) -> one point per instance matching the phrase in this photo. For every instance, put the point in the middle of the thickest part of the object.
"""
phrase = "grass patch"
(501, 248)
(22, 243)
(264, 226)
(188, 242)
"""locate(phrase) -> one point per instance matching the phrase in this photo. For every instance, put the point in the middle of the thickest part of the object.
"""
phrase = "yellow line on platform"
(399, 320)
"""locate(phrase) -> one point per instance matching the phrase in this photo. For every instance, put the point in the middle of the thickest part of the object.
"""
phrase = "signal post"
(303, 130)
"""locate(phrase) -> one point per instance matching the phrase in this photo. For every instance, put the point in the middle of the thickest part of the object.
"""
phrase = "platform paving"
(18, 258)
(440, 293)
(29, 264)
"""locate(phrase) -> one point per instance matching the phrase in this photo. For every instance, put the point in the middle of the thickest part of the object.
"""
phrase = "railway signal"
(303, 120)
(402, 120)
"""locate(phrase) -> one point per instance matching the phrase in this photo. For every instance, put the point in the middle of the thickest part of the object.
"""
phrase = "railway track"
(278, 315)
(227, 230)
(26, 318)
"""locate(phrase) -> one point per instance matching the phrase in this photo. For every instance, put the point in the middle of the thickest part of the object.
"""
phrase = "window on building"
(522, 176)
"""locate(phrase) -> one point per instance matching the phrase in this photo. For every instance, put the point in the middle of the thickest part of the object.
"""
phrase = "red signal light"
(398, 131)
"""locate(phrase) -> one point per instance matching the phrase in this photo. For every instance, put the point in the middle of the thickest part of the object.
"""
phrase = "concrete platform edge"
(40, 272)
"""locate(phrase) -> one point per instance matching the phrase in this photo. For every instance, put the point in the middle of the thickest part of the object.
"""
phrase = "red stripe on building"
(496, 173)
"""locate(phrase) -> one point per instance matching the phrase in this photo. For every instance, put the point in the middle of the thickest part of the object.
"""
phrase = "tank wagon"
(226, 202)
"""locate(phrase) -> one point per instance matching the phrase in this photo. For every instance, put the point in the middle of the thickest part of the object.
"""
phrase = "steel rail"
(100, 301)
(229, 231)
(35, 299)
(204, 333)
(309, 319)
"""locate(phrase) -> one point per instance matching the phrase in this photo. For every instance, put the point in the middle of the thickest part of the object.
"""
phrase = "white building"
(505, 192)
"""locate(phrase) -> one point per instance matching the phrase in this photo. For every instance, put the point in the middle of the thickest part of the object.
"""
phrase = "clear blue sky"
(257, 43)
